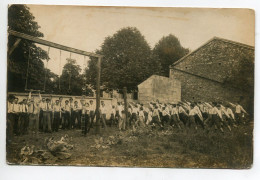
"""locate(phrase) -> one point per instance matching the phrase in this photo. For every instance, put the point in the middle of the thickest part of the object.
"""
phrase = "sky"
(85, 27)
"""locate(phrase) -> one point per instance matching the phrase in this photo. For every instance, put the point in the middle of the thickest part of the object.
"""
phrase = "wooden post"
(14, 46)
(126, 108)
(98, 97)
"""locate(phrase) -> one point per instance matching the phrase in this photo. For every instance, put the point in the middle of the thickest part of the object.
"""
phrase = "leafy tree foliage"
(71, 81)
(127, 60)
(168, 50)
(20, 19)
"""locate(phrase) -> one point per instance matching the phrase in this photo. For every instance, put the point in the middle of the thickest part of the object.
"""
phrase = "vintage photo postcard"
(130, 86)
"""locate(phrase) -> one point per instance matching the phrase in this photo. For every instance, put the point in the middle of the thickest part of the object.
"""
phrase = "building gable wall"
(215, 60)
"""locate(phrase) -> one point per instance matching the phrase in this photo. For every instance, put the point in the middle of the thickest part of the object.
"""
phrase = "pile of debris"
(107, 142)
(53, 151)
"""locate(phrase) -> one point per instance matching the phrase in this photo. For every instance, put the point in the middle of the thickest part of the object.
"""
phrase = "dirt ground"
(145, 147)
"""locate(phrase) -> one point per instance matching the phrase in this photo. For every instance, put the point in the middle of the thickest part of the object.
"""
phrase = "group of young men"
(46, 115)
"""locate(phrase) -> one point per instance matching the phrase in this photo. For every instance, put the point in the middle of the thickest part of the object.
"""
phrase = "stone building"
(158, 87)
(203, 72)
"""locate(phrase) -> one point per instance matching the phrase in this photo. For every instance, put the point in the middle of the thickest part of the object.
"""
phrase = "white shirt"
(67, 107)
(33, 108)
(56, 108)
(174, 111)
(113, 111)
(217, 112)
(77, 107)
(141, 113)
(47, 107)
(92, 107)
(16, 108)
(181, 110)
(24, 108)
(103, 109)
(120, 109)
(230, 113)
(135, 110)
(239, 109)
(193, 112)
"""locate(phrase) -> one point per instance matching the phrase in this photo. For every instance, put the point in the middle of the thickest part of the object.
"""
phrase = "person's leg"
(31, 124)
(55, 121)
(123, 121)
(44, 120)
(49, 121)
(79, 120)
(104, 120)
(120, 123)
(40, 120)
(37, 125)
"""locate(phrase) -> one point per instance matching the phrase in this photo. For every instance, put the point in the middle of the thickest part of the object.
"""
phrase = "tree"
(20, 19)
(127, 60)
(168, 50)
(71, 81)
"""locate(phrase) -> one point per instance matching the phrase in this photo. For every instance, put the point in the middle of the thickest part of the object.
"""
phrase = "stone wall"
(203, 72)
(216, 59)
(158, 87)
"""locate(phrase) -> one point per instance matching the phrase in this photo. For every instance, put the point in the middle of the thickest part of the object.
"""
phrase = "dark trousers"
(191, 122)
(67, 120)
(85, 123)
(91, 118)
(46, 121)
(199, 121)
(112, 120)
(155, 120)
(165, 120)
(133, 118)
(76, 120)
(12, 118)
(215, 121)
(24, 123)
(184, 118)
(103, 119)
(174, 120)
(40, 120)
(56, 121)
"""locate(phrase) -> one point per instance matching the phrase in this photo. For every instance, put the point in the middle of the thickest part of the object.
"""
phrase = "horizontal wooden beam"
(52, 44)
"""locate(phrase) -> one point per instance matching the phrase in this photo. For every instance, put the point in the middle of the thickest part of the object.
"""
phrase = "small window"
(186, 67)
(219, 64)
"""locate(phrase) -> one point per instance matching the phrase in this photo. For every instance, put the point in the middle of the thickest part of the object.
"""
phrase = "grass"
(158, 148)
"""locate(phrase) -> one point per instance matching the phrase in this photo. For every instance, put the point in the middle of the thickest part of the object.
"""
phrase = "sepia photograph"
(104, 86)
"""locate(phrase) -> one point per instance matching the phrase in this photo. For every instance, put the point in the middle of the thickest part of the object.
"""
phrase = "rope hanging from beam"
(46, 68)
(60, 70)
(27, 73)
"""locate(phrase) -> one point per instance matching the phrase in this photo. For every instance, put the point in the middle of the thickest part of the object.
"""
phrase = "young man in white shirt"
(57, 116)
(67, 115)
(141, 117)
(192, 113)
(217, 116)
(182, 114)
(103, 110)
(112, 116)
(10, 118)
(76, 120)
(85, 118)
(34, 111)
(156, 117)
(47, 111)
(24, 117)
(121, 119)
(240, 113)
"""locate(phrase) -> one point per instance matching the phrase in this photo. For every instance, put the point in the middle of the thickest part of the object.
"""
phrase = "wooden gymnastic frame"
(68, 49)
